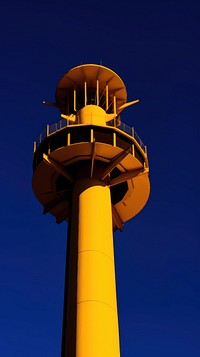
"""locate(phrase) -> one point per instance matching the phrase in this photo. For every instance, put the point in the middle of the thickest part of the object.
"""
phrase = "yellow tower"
(91, 170)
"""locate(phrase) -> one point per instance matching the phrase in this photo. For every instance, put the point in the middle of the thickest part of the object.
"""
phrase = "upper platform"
(90, 84)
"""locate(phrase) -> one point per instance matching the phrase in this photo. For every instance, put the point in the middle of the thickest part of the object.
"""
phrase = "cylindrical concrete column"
(97, 319)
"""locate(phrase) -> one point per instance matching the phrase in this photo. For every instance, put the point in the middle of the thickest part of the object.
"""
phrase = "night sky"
(154, 47)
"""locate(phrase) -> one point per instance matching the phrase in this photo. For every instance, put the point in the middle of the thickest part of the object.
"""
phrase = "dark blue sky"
(154, 47)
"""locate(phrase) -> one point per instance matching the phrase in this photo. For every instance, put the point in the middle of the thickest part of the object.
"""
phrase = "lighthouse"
(91, 170)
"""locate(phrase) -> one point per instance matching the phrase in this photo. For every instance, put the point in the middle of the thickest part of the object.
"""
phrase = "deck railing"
(50, 129)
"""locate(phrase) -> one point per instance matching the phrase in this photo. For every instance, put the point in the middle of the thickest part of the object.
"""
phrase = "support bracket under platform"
(124, 176)
(114, 163)
(58, 167)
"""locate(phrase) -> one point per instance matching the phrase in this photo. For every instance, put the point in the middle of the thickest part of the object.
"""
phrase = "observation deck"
(90, 139)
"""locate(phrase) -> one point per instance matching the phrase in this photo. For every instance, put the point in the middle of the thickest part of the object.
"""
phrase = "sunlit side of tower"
(91, 170)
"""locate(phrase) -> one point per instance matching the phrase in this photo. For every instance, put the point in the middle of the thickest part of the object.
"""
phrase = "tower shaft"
(90, 298)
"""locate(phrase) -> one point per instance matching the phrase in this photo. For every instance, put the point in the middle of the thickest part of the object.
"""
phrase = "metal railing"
(128, 130)
(50, 129)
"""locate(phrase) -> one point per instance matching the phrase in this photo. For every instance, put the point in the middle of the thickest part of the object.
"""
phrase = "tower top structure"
(91, 84)
(91, 98)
